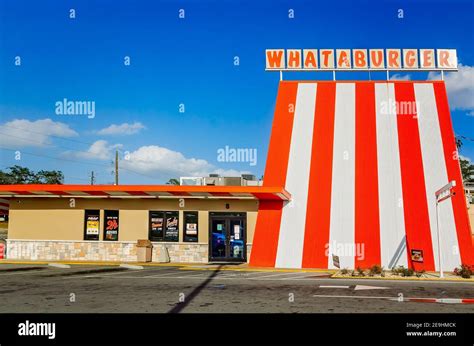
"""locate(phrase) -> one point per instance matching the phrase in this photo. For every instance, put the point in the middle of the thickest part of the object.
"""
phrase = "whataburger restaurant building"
(348, 179)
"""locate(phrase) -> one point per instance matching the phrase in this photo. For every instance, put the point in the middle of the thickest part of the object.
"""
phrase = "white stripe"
(290, 243)
(436, 176)
(392, 220)
(341, 234)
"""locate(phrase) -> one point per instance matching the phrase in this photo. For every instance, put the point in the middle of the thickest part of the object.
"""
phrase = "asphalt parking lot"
(208, 289)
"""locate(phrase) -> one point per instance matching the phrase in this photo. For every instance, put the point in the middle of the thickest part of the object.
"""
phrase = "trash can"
(144, 248)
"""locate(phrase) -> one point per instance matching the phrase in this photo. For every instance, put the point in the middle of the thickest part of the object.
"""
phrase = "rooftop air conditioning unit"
(249, 177)
(233, 181)
(212, 181)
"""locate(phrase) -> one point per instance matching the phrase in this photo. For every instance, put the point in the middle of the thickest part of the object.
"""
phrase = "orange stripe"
(267, 228)
(279, 148)
(367, 226)
(461, 217)
(318, 209)
(265, 239)
(417, 224)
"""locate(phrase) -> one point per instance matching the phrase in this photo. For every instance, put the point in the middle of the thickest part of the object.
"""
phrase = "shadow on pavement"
(180, 306)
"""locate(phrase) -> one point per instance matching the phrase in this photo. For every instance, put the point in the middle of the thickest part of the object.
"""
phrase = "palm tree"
(172, 181)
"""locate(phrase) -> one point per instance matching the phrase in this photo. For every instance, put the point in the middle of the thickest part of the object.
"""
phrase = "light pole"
(442, 194)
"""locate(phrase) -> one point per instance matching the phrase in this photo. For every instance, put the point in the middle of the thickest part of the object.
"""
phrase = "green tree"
(467, 170)
(23, 175)
(50, 177)
(172, 181)
(458, 142)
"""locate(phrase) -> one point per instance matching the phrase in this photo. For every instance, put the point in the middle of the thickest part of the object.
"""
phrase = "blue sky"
(187, 61)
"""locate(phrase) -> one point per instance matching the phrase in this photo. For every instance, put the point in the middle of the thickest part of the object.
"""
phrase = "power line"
(67, 148)
(57, 158)
(79, 162)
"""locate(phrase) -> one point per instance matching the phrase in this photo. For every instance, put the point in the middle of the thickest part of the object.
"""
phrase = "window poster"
(156, 225)
(111, 224)
(171, 227)
(91, 224)
(190, 226)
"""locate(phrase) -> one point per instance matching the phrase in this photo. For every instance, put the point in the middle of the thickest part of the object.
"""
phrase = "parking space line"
(116, 273)
(179, 273)
(271, 275)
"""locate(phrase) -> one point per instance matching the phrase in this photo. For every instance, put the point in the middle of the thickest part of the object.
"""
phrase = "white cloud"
(99, 150)
(123, 129)
(462, 157)
(398, 76)
(25, 133)
(165, 163)
(460, 87)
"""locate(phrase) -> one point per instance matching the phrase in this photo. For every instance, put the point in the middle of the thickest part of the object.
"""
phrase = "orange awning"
(145, 191)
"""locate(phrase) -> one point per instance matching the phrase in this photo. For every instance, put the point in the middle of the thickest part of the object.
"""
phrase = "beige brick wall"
(102, 251)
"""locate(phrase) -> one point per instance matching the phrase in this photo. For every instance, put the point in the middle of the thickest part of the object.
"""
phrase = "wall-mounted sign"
(360, 59)
(417, 255)
(111, 224)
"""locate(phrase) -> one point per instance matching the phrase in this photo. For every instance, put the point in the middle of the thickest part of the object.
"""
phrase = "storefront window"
(164, 226)
(156, 225)
(190, 226)
(111, 225)
(91, 224)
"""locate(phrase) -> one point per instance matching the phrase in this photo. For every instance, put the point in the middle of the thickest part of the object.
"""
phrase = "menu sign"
(91, 224)
(171, 230)
(111, 225)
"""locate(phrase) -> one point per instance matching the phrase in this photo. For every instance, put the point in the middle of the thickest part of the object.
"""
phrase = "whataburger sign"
(360, 59)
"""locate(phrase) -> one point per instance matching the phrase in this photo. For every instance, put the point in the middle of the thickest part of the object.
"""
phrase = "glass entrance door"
(219, 239)
(227, 237)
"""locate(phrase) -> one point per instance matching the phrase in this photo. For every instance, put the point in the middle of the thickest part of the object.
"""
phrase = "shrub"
(465, 271)
(360, 271)
(401, 270)
(420, 273)
(344, 271)
(375, 269)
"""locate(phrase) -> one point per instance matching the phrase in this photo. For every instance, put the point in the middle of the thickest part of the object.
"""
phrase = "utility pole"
(92, 178)
(441, 195)
(116, 167)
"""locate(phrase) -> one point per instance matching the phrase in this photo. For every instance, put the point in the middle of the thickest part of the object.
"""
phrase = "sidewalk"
(187, 266)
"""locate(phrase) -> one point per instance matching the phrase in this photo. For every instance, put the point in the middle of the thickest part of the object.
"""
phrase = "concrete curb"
(130, 266)
(59, 265)
(401, 278)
